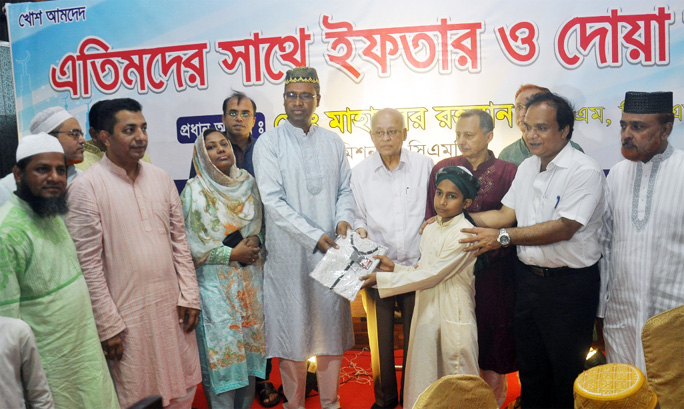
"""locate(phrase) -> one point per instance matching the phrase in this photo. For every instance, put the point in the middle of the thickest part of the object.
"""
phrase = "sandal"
(267, 394)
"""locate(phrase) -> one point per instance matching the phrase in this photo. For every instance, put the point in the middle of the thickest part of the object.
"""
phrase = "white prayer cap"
(48, 120)
(34, 144)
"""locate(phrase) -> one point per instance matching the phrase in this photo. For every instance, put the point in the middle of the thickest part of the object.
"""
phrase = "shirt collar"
(299, 131)
(564, 158)
(249, 142)
(484, 165)
(663, 156)
(118, 170)
(453, 220)
(378, 164)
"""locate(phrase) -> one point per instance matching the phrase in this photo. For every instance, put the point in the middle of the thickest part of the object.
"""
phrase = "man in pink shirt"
(127, 223)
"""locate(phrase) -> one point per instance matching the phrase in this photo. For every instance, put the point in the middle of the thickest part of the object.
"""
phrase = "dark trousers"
(554, 322)
(380, 321)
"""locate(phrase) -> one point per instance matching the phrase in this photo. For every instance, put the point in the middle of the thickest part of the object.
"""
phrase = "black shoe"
(267, 395)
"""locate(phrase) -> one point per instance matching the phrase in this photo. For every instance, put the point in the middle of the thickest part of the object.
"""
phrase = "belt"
(551, 271)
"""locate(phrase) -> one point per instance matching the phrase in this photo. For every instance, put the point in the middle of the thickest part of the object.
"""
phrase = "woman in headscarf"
(223, 221)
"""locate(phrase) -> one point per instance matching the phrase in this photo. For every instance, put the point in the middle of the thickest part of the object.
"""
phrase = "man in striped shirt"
(126, 220)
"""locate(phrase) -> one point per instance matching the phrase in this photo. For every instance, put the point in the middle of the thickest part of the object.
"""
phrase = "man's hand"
(245, 252)
(370, 280)
(426, 222)
(188, 318)
(325, 243)
(386, 264)
(484, 239)
(113, 348)
(362, 232)
(342, 228)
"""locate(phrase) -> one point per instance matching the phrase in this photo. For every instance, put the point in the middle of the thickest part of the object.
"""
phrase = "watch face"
(504, 238)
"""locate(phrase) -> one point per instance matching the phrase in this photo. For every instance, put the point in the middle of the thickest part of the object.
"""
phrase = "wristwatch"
(504, 238)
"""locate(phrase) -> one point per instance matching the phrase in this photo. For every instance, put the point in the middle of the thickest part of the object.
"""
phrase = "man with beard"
(41, 281)
(644, 237)
(59, 123)
(126, 220)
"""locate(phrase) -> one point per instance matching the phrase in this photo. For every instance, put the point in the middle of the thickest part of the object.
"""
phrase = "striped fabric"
(131, 244)
(646, 253)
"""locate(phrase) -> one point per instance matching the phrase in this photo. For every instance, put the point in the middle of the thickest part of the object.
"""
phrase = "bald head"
(388, 113)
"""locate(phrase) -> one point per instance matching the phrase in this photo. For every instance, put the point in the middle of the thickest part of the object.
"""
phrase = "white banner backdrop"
(430, 60)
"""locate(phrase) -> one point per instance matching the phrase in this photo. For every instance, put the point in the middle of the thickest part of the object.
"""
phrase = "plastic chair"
(457, 392)
(663, 341)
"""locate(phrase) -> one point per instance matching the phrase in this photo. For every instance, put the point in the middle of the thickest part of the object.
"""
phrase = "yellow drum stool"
(613, 386)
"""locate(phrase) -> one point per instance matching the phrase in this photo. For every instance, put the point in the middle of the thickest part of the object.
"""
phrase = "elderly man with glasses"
(395, 173)
(59, 123)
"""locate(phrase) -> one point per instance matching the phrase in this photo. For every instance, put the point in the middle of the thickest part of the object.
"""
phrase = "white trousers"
(293, 375)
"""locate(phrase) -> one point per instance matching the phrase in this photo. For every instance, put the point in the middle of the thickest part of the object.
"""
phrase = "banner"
(431, 61)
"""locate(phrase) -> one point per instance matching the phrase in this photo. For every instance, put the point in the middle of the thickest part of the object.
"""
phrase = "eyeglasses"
(243, 114)
(73, 133)
(381, 134)
(305, 97)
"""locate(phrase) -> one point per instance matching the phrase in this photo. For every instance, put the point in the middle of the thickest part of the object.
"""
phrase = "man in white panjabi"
(303, 176)
(643, 231)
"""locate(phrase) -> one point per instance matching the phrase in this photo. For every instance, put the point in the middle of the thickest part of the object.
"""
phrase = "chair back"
(663, 341)
(457, 392)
